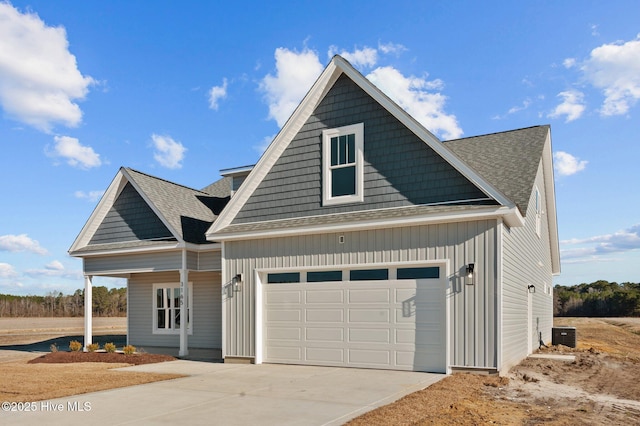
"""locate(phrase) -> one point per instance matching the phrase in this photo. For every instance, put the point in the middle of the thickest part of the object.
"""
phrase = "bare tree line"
(106, 303)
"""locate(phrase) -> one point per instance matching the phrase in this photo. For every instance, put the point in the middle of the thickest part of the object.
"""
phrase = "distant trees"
(598, 299)
(106, 303)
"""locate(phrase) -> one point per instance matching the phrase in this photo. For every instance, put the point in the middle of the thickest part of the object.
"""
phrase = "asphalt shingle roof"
(188, 211)
(508, 160)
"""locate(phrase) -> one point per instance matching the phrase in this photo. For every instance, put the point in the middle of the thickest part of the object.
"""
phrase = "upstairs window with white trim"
(167, 315)
(343, 176)
(538, 212)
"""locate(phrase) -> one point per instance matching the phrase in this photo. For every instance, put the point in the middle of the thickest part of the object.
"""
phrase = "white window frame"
(358, 130)
(154, 317)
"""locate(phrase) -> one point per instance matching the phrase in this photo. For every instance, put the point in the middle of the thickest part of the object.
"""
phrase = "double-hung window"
(342, 164)
(167, 315)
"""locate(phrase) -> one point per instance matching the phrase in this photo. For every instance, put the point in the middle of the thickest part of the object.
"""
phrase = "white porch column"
(88, 311)
(184, 307)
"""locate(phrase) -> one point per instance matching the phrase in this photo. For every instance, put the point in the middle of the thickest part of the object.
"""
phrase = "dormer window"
(342, 160)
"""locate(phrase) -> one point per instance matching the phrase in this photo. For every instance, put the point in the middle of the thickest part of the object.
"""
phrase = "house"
(358, 239)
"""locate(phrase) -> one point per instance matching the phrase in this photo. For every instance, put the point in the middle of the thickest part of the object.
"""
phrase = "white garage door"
(390, 324)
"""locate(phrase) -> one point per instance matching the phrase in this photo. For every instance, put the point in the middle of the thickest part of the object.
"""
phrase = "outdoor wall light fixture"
(531, 288)
(469, 276)
(236, 281)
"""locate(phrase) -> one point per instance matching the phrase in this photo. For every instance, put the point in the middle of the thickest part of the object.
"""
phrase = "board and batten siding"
(472, 331)
(399, 168)
(206, 310)
(526, 261)
(151, 262)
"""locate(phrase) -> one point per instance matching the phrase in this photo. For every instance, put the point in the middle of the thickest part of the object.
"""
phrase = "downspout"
(184, 306)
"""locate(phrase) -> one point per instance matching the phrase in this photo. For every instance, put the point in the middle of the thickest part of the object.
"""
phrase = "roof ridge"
(164, 180)
(499, 133)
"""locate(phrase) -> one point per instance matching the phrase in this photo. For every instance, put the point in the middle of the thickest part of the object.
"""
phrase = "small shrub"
(53, 347)
(129, 349)
(93, 347)
(110, 347)
(75, 346)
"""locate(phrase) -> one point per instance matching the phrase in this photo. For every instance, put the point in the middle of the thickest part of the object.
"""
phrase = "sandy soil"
(601, 387)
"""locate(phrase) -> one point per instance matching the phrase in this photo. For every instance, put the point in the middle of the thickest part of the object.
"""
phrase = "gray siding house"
(358, 239)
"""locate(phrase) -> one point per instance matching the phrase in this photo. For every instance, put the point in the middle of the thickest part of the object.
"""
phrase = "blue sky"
(181, 90)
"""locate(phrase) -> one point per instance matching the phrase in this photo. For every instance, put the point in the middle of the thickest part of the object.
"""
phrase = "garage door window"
(369, 274)
(418, 273)
(324, 276)
(283, 278)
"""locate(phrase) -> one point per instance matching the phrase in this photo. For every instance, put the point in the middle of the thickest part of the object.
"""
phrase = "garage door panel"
(393, 324)
(324, 315)
(284, 353)
(369, 296)
(285, 315)
(369, 357)
(324, 334)
(325, 355)
(284, 333)
(284, 297)
(325, 296)
(369, 335)
(360, 315)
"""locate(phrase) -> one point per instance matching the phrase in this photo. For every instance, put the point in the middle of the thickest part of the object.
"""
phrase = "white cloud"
(615, 69)
(569, 63)
(412, 94)
(7, 271)
(387, 48)
(91, 196)
(572, 105)
(264, 144)
(76, 154)
(20, 243)
(39, 77)
(566, 164)
(54, 269)
(216, 94)
(599, 245)
(359, 58)
(295, 74)
(168, 152)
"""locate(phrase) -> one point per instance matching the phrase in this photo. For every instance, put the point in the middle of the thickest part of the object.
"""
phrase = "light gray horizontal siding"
(133, 262)
(207, 325)
(155, 262)
(526, 261)
(473, 309)
(399, 168)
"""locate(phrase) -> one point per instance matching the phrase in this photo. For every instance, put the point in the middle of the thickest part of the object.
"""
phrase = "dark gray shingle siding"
(400, 169)
(130, 219)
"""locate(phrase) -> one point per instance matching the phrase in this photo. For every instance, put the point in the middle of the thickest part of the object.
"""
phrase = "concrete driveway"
(234, 394)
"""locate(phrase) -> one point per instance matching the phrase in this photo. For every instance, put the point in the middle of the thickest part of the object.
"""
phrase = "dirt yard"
(601, 387)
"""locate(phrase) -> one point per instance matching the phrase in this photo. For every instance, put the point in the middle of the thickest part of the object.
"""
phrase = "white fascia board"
(488, 213)
(552, 218)
(277, 147)
(429, 138)
(99, 213)
(153, 207)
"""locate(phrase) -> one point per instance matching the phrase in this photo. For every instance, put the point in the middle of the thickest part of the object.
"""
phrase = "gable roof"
(187, 213)
(337, 67)
(509, 160)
